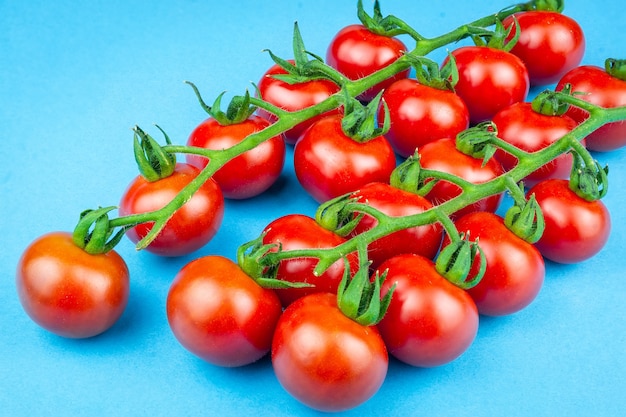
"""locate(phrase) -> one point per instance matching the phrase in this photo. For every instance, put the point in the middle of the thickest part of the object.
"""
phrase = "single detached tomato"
(515, 268)
(430, 321)
(604, 90)
(248, 174)
(328, 163)
(324, 359)
(423, 240)
(550, 44)
(420, 114)
(443, 155)
(220, 314)
(489, 80)
(68, 291)
(297, 231)
(191, 227)
(293, 97)
(576, 229)
(357, 52)
(531, 131)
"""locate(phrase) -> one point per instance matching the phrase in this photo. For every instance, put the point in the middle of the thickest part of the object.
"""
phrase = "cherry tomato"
(356, 52)
(297, 231)
(443, 155)
(531, 131)
(576, 229)
(220, 314)
(293, 97)
(248, 174)
(328, 163)
(424, 240)
(324, 359)
(430, 321)
(191, 227)
(489, 80)
(515, 268)
(68, 291)
(604, 90)
(550, 44)
(420, 114)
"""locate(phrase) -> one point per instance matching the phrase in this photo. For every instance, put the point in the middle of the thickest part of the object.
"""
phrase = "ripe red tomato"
(443, 155)
(423, 240)
(515, 268)
(430, 321)
(531, 131)
(329, 164)
(550, 44)
(220, 314)
(601, 89)
(191, 227)
(68, 291)
(356, 52)
(324, 359)
(297, 231)
(420, 114)
(293, 97)
(489, 80)
(575, 229)
(248, 174)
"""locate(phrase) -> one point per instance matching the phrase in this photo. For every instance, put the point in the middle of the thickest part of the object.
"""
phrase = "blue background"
(75, 77)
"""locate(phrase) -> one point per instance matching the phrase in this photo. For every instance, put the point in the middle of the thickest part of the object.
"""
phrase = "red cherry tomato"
(329, 164)
(530, 131)
(293, 97)
(423, 240)
(443, 155)
(191, 227)
(430, 321)
(576, 229)
(68, 291)
(324, 359)
(515, 268)
(248, 174)
(297, 231)
(220, 314)
(550, 44)
(420, 114)
(489, 80)
(604, 90)
(357, 52)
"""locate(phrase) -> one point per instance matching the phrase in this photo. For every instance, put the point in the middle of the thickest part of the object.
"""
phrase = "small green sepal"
(93, 233)
(590, 182)
(153, 161)
(456, 260)
(616, 68)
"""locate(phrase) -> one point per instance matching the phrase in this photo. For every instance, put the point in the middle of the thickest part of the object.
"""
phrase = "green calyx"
(428, 73)
(360, 122)
(407, 175)
(239, 109)
(455, 261)
(384, 25)
(93, 233)
(549, 5)
(616, 68)
(525, 218)
(337, 215)
(497, 38)
(588, 180)
(153, 161)
(550, 104)
(478, 141)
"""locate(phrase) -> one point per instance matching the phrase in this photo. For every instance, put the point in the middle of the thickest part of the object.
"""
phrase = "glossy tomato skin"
(294, 97)
(530, 131)
(68, 291)
(443, 155)
(576, 229)
(423, 240)
(248, 174)
(220, 314)
(515, 269)
(191, 227)
(489, 80)
(430, 321)
(297, 231)
(356, 52)
(550, 44)
(329, 164)
(421, 114)
(324, 359)
(601, 89)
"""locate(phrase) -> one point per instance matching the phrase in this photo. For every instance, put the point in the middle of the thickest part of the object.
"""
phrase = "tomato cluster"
(234, 313)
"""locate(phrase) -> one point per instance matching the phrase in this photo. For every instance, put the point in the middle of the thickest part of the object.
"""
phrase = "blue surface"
(74, 78)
